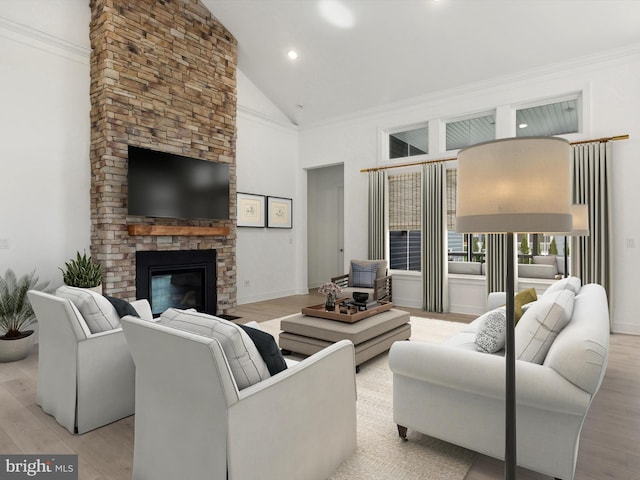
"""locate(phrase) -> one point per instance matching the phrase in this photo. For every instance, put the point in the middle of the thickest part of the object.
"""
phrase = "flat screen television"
(173, 186)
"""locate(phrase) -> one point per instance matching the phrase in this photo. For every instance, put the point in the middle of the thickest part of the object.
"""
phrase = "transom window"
(463, 133)
(409, 143)
(556, 118)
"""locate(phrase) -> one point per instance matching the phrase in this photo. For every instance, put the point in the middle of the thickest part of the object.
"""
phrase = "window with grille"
(405, 212)
(462, 247)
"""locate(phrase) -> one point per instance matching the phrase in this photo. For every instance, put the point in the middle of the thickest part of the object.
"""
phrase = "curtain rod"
(440, 160)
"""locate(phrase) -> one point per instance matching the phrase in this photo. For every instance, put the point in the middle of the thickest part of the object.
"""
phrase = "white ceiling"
(396, 50)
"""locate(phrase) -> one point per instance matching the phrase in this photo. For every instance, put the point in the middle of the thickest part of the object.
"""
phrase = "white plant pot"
(97, 289)
(17, 349)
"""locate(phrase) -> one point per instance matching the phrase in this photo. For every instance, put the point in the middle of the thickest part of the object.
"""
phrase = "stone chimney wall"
(163, 76)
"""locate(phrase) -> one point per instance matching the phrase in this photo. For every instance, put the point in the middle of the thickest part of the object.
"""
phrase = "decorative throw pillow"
(245, 362)
(491, 332)
(364, 276)
(122, 307)
(268, 349)
(540, 325)
(97, 311)
(522, 298)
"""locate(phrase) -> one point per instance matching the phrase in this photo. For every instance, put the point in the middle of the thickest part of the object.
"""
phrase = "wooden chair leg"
(402, 432)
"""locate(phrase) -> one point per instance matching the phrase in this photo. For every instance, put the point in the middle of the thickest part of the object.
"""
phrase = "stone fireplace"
(163, 76)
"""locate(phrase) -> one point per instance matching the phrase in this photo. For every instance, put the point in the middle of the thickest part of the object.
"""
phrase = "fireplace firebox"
(179, 278)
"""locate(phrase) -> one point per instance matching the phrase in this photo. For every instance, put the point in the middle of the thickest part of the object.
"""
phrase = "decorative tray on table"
(347, 310)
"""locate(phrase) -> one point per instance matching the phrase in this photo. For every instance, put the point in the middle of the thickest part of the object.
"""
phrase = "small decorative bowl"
(360, 297)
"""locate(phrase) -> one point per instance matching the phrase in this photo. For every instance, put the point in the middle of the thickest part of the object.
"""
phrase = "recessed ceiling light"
(523, 125)
(292, 54)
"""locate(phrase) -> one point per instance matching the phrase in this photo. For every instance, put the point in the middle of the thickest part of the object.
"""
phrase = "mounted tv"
(172, 186)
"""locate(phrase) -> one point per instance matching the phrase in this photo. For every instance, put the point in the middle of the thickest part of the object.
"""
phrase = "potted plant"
(16, 314)
(83, 272)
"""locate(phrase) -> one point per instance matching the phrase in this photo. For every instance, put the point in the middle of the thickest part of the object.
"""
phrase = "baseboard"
(268, 296)
(626, 328)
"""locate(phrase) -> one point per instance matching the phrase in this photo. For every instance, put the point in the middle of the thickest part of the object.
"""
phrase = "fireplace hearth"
(179, 279)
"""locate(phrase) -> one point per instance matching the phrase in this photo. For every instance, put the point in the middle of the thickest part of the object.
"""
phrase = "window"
(534, 244)
(405, 235)
(409, 143)
(462, 133)
(461, 247)
(550, 119)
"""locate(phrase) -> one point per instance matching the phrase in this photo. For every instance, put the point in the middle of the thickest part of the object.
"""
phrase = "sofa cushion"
(245, 362)
(97, 311)
(546, 260)
(465, 268)
(491, 331)
(570, 283)
(267, 347)
(363, 275)
(540, 325)
(537, 270)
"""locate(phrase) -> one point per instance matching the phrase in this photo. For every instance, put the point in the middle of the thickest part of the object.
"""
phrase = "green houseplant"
(16, 314)
(82, 272)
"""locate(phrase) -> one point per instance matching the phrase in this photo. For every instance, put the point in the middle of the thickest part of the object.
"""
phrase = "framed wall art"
(250, 210)
(279, 212)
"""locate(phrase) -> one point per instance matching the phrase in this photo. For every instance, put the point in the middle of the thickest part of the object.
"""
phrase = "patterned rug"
(381, 454)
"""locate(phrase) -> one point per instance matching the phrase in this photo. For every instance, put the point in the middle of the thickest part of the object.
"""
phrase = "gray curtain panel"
(434, 238)
(592, 174)
(496, 262)
(377, 227)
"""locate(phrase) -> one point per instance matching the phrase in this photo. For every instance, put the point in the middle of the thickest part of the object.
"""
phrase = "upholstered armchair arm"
(342, 280)
(483, 375)
(309, 410)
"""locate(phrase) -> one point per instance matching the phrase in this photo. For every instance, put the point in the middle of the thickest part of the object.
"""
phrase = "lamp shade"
(580, 215)
(517, 185)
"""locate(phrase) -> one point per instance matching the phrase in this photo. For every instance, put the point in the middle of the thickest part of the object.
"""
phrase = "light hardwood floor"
(610, 447)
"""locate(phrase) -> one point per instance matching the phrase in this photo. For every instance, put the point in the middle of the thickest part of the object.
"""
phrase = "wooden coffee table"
(370, 336)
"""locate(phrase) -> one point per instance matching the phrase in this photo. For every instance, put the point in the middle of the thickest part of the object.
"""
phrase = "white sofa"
(455, 393)
(85, 379)
(193, 422)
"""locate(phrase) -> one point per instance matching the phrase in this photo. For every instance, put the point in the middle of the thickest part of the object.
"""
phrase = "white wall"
(612, 94)
(266, 157)
(44, 120)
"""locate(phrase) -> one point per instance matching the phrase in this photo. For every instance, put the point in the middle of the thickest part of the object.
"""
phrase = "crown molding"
(268, 120)
(555, 70)
(32, 37)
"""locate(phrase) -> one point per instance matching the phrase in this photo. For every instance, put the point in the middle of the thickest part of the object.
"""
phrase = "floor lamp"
(514, 185)
(580, 214)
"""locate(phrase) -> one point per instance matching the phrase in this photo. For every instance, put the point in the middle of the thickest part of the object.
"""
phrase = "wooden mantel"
(162, 230)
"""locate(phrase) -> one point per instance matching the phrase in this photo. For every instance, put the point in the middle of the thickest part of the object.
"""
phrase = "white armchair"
(85, 380)
(192, 422)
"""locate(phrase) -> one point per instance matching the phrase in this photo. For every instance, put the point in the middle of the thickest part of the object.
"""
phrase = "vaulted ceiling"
(356, 55)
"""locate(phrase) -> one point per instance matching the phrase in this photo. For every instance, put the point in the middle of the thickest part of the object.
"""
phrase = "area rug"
(381, 454)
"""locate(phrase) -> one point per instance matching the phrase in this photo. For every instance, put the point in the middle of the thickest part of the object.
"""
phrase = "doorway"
(325, 224)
